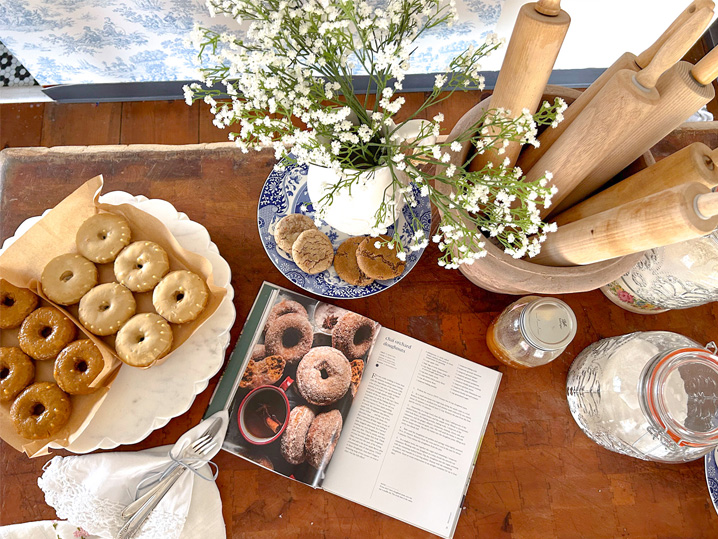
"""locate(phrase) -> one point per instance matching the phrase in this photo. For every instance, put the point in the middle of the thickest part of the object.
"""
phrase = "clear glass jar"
(532, 331)
(651, 395)
(676, 276)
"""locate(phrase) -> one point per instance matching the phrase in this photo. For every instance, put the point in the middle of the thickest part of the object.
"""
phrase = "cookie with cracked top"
(381, 262)
(345, 262)
(289, 228)
(313, 252)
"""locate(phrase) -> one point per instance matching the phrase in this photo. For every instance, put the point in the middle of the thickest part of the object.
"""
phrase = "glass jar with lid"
(532, 331)
(651, 395)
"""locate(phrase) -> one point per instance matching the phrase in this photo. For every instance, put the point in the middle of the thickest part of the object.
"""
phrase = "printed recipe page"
(410, 439)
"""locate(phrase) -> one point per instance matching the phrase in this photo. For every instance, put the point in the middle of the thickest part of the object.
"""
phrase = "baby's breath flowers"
(287, 82)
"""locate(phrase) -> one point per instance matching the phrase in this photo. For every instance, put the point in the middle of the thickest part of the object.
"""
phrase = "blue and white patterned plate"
(285, 192)
(712, 477)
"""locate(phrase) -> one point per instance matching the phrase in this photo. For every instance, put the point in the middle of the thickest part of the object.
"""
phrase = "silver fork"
(199, 448)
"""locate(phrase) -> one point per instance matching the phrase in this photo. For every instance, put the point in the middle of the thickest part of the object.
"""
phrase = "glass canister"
(532, 331)
(651, 395)
(676, 276)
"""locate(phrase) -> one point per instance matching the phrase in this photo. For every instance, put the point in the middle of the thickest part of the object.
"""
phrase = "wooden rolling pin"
(694, 163)
(626, 104)
(683, 89)
(530, 155)
(532, 50)
(677, 214)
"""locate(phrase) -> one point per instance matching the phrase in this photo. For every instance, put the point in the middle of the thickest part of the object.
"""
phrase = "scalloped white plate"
(141, 401)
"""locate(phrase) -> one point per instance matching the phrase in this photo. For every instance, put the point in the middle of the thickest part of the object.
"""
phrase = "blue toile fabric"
(96, 41)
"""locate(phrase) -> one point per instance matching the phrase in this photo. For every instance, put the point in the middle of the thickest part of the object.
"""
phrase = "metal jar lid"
(548, 324)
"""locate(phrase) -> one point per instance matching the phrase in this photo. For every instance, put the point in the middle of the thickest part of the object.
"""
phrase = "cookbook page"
(412, 436)
(291, 381)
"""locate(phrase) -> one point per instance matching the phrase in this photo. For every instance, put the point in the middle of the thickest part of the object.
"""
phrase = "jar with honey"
(532, 331)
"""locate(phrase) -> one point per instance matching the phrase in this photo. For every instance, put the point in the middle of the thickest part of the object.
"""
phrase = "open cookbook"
(328, 397)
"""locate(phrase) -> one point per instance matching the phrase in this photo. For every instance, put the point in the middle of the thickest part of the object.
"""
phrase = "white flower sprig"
(288, 83)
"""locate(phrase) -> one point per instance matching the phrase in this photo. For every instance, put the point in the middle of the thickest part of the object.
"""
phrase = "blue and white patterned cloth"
(96, 41)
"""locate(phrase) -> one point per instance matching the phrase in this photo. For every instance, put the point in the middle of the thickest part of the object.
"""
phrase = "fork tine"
(201, 449)
(200, 440)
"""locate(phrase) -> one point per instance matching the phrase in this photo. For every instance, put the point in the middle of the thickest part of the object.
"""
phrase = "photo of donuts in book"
(300, 377)
(328, 397)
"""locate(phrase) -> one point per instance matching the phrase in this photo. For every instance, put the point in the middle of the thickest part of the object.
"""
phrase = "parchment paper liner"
(22, 263)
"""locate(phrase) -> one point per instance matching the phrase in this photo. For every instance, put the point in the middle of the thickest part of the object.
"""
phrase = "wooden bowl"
(499, 272)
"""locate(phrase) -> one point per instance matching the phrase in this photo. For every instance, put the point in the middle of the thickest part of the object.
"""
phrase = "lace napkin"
(90, 491)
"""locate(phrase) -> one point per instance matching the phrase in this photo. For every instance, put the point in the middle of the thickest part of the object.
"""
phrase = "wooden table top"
(537, 474)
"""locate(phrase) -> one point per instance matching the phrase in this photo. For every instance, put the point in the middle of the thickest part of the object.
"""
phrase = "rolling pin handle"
(706, 69)
(550, 8)
(675, 47)
(643, 59)
(706, 206)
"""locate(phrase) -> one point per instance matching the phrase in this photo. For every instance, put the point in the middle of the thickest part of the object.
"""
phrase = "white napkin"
(90, 491)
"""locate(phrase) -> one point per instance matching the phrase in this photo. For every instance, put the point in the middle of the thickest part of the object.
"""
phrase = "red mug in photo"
(263, 414)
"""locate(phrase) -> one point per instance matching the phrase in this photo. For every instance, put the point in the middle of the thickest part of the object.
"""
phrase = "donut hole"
(8, 301)
(102, 235)
(140, 338)
(104, 306)
(66, 276)
(37, 409)
(324, 374)
(45, 331)
(139, 265)
(81, 366)
(362, 335)
(291, 337)
(179, 296)
(4, 372)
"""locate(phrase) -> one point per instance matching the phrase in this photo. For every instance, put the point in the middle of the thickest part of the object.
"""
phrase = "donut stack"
(110, 309)
(326, 358)
(40, 410)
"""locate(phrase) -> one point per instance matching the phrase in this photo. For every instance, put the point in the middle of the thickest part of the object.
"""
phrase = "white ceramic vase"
(353, 211)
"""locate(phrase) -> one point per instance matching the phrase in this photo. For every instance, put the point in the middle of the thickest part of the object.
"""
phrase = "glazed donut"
(106, 307)
(353, 335)
(322, 438)
(141, 265)
(180, 297)
(67, 278)
(40, 411)
(101, 237)
(77, 366)
(291, 444)
(15, 304)
(290, 336)
(323, 376)
(45, 332)
(16, 371)
(144, 339)
(284, 307)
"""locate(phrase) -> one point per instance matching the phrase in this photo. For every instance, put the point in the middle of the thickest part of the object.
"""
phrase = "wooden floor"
(149, 122)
